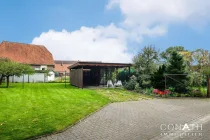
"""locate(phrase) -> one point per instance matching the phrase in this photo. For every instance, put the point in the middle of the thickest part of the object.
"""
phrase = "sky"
(105, 30)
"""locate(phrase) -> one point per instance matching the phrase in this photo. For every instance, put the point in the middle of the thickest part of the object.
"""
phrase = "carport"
(84, 73)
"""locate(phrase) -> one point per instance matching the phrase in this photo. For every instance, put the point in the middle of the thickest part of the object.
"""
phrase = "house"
(61, 66)
(35, 55)
(84, 74)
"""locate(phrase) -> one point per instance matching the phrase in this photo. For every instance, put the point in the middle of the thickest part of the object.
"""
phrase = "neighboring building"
(35, 55)
(61, 66)
(93, 73)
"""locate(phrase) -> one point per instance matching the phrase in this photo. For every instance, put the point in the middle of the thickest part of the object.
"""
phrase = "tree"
(158, 80)
(166, 54)
(2, 61)
(188, 58)
(206, 71)
(176, 66)
(9, 68)
(201, 59)
(3, 66)
(145, 64)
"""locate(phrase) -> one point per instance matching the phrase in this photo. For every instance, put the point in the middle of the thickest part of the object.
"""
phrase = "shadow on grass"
(30, 85)
(4, 86)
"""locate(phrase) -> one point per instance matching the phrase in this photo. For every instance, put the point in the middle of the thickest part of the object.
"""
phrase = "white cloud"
(110, 43)
(88, 44)
(147, 13)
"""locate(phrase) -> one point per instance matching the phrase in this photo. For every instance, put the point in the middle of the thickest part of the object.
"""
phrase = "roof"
(64, 62)
(99, 64)
(62, 65)
(26, 53)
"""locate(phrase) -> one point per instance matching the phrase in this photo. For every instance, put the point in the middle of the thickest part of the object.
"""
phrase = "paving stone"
(138, 120)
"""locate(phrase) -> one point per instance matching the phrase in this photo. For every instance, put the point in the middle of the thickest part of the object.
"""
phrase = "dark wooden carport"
(92, 73)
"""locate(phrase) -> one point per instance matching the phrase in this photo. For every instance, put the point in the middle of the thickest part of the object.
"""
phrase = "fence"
(41, 77)
(62, 76)
(37, 77)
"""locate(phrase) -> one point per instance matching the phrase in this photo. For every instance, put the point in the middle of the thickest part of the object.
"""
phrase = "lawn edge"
(72, 125)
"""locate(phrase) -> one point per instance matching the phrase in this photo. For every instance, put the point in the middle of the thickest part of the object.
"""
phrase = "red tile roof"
(26, 53)
(62, 66)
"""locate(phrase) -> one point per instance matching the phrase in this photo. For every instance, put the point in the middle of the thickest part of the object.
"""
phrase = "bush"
(131, 84)
(186, 95)
(123, 74)
(196, 93)
(158, 80)
(171, 89)
(174, 94)
(144, 80)
(148, 91)
(137, 88)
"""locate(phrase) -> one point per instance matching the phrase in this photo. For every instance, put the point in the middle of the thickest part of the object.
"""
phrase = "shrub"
(148, 91)
(174, 94)
(161, 92)
(171, 89)
(137, 88)
(123, 74)
(158, 80)
(186, 95)
(196, 93)
(131, 84)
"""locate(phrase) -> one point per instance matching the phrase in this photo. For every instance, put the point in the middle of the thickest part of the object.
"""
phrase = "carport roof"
(98, 64)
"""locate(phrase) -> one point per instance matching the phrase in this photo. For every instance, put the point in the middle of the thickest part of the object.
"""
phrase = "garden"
(175, 72)
(44, 108)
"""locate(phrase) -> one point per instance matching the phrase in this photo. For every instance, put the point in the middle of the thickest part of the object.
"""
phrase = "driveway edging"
(60, 131)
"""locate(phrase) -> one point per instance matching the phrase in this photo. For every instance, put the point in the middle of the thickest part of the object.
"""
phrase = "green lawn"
(121, 95)
(42, 108)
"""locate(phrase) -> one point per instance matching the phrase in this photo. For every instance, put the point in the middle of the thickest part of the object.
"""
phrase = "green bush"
(158, 79)
(186, 95)
(131, 84)
(137, 88)
(174, 94)
(123, 74)
(196, 93)
(148, 91)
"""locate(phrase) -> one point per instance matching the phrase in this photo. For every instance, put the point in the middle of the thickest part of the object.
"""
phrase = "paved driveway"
(143, 120)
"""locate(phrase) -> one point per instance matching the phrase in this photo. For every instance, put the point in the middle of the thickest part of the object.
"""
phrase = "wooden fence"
(76, 76)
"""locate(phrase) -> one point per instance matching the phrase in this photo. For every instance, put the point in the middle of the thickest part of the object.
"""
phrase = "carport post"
(116, 74)
(69, 76)
(82, 77)
(106, 75)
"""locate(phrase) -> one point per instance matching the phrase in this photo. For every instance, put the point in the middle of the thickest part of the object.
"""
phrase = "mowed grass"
(121, 95)
(43, 108)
